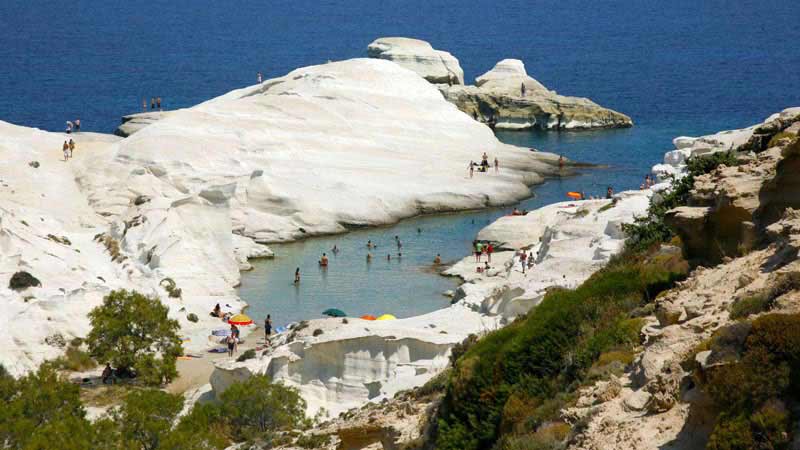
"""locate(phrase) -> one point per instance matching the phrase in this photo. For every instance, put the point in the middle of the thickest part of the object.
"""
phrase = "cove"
(408, 285)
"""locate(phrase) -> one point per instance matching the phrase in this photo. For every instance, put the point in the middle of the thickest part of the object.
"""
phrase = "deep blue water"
(684, 67)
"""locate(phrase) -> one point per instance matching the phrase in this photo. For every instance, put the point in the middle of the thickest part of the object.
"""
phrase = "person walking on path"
(65, 149)
(267, 328)
(496, 165)
(522, 260)
(297, 276)
(71, 147)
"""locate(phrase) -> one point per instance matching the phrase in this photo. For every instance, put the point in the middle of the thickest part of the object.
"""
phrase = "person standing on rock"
(231, 342)
(478, 251)
(152, 103)
(496, 165)
(522, 89)
(297, 276)
(158, 103)
(71, 147)
(522, 260)
(471, 168)
(144, 105)
(258, 77)
(267, 328)
(69, 127)
(489, 251)
(77, 125)
(65, 149)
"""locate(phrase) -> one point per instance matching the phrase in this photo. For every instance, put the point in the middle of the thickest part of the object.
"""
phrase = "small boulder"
(637, 400)
(34, 164)
(23, 280)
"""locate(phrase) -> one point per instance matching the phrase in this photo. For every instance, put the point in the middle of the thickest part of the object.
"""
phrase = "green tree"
(40, 408)
(146, 417)
(257, 407)
(132, 331)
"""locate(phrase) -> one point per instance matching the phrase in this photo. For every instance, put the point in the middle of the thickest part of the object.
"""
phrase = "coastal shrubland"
(42, 408)
(506, 390)
(755, 395)
(651, 229)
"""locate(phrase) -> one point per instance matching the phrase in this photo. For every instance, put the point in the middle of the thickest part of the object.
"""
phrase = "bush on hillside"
(755, 386)
(516, 379)
(257, 408)
(134, 333)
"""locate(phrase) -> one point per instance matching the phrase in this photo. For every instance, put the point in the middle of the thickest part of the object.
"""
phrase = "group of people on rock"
(68, 148)
(155, 104)
(480, 248)
(73, 126)
(484, 165)
(648, 182)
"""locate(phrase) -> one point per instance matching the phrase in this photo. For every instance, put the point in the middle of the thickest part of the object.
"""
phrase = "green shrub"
(313, 440)
(132, 331)
(75, 359)
(146, 417)
(731, 434)
(257, 408)
(747, 306)
(247, 354)
(779, 137)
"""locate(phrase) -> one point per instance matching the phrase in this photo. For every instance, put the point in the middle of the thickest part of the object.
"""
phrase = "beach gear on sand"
(333, 312)
(240, 319)
(386, 317)
(368, 317)
(221, 332)
(575, 195)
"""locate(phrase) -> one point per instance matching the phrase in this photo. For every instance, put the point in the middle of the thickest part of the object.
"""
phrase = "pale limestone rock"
(498, 100)
(436, 66)
(133, 123)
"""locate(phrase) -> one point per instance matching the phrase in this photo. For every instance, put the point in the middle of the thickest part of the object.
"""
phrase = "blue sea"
(684, 67)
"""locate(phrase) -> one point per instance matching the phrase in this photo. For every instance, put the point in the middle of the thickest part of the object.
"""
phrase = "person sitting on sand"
(438, 259)
(297, 276)
(516, 212)
(217, 312)
(486, 266)
(324, 260)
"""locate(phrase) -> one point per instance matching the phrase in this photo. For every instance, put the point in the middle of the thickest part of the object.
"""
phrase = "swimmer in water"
(370, 244)
(369, 257)
(297, 276)
(335, 249)
(388, 257)
(438, 259)
(324, 260)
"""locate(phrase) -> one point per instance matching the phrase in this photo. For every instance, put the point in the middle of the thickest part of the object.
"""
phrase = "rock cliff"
(498, 100)
(436, 66)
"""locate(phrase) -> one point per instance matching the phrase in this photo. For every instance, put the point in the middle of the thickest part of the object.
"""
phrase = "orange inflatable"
(575, 195)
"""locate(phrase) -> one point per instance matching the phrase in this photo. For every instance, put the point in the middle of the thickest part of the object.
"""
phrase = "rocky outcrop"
(436, 66)
(730, 205)
(662, 402)
(498, 100)
(133, 123)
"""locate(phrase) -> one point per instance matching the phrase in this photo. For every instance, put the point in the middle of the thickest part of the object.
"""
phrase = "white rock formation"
(509, 75)
(436, 66)
(360, 361)
(362, 141)
(135, 122)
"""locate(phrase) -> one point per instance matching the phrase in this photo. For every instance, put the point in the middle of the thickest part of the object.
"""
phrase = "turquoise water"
(408, 286)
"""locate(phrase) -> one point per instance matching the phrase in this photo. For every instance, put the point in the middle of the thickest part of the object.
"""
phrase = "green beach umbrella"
(333, 312)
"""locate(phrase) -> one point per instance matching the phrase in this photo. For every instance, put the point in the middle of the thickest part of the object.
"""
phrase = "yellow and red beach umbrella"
(240, 319)
(386, 317)
(368, 317)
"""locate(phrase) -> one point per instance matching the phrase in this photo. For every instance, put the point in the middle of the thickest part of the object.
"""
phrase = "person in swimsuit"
(71, 147)
(324, 260)
(77, 125)
(438, 259)
(478, 251)
(152, 103)
(335, 249)
(297, 276)
(158, 103)
(69, 127)
(65, 149)
(489, 251)
(258, 77)
(496, 166)
(369, 256)
(267, 328)
(231, 341)
(522, 259)
(471, 168)
(144, 105)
